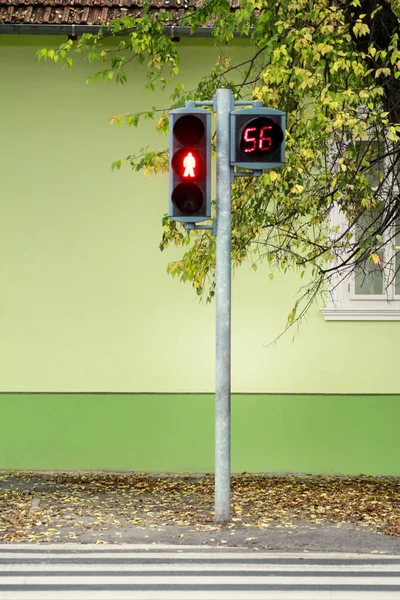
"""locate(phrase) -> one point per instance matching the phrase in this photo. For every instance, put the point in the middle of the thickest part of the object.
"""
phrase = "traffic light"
(189, 165)
(258, 138)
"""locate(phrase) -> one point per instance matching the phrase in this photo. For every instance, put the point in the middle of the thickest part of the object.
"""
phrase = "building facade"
(106, 362)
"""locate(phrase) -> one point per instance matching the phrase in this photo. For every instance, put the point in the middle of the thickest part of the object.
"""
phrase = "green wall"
(86, 306)
(173, 433)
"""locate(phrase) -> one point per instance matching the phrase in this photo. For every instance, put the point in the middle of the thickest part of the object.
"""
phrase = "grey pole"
(224, 104)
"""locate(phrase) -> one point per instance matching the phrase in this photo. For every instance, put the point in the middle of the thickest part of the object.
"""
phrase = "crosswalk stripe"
(111, 568)
(67, 547)
(200, 595)
(259, 558)
(79, 551)
(131, 550)
(206, 578)
(76, 572)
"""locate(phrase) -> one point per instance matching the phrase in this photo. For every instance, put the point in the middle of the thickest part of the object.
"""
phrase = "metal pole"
(224, 104)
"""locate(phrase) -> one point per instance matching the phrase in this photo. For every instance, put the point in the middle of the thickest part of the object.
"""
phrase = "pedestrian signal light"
(187, 164)
(190, 165)
(258, 138)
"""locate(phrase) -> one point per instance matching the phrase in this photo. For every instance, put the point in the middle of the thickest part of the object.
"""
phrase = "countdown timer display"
(259, 137)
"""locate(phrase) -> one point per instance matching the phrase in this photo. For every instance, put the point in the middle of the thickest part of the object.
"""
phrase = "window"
(371, 291)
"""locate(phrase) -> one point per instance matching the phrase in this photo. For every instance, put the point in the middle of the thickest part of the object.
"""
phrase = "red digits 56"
(264, 141)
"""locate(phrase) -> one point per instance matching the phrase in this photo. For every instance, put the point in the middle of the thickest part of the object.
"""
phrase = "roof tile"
(46, 15)
(90, 12)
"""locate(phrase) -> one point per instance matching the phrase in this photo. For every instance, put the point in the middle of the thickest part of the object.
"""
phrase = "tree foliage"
(334, 67)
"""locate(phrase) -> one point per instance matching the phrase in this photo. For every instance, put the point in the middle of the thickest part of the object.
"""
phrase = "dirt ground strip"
(268, 511)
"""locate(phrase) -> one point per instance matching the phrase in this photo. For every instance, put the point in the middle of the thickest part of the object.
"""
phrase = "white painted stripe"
(182, 579)
(49, 568)
(102, 546)
(160, 549)
(198, 595)
(175, 555)
(129, 556)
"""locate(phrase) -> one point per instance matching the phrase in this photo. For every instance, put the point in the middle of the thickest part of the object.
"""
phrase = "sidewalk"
(280, 513)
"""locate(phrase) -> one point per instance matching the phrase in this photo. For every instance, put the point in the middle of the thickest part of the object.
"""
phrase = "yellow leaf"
(376, 258)
(273, 176)
(271, 276)
(297, 189)
(383, 71)
(160, 122)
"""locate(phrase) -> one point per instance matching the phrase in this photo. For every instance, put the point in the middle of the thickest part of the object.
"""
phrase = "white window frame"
(344, 304)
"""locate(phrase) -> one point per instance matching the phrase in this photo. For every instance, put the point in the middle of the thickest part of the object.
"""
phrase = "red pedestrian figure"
(189, 163)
